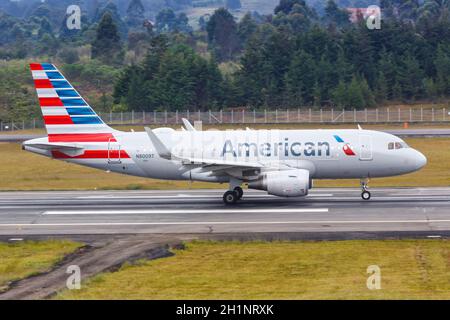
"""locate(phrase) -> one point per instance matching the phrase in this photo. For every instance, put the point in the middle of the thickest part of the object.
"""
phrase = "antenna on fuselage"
(359, 127)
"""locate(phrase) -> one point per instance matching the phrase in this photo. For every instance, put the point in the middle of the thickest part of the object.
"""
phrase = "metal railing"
(291, 116)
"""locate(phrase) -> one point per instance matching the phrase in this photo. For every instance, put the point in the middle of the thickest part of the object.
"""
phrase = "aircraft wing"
(217, 162)
(212, 164)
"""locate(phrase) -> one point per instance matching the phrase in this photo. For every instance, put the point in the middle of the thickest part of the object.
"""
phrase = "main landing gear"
(232, 196)
(365, 195)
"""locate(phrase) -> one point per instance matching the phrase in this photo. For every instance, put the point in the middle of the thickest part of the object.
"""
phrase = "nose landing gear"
(365, 195)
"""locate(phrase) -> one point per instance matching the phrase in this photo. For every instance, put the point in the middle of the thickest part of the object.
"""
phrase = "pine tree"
(381, 89)
(410, 77)
(135, 14)
(442, 65)
(136, 97)
(300, 80)
(355, 97)
(339, 95)
(246, 27)
(317, 94)
(335, 15)
(430, 88)
(369, 100)
(222, 34)
(106, 45)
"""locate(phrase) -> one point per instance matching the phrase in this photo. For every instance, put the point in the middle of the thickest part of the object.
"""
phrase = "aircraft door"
(114, 152)
(365, 148)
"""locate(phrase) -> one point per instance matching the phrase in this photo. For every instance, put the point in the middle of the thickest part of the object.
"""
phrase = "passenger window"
(391, 145)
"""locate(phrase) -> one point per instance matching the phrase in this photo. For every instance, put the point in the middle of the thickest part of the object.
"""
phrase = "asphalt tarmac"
(340, 210)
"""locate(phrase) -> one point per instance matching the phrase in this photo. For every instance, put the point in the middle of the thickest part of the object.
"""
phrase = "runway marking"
(191, 196)
(93, 224)
(165, 211)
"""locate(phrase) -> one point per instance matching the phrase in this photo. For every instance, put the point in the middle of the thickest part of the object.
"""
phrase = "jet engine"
(289, 183)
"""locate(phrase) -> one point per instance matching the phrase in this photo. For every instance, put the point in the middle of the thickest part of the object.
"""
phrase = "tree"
(435, 9)
(285, 6)
(222, 34)
(136, 97)
(45, 28)
(135, 14)
(339, 95)
(168, 21)
(430, 88)
(410, 77)
(300, 80)
(246, 27)
(355, 96)
(172, 78)
(106, 45)
(182, 23)
(112, 9)
(335, 15)
(165, 20)
(442, 65)
(381, 88)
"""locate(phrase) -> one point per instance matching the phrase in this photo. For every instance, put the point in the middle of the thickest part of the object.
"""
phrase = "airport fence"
(248, 117)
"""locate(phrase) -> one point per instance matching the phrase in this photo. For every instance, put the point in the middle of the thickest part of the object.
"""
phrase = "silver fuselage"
(326, 154)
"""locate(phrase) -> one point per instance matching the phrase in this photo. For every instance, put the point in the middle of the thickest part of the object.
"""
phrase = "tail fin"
(66, 113)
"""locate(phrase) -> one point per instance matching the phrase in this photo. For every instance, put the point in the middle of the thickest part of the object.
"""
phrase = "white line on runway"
(189, 196)
(212, 223)
(165, 211)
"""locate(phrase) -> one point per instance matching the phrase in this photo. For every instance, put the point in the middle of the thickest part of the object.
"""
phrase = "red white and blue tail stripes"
(69, 119)
(63, 108)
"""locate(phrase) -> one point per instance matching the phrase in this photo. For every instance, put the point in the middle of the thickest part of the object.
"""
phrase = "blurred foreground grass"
(410, 269)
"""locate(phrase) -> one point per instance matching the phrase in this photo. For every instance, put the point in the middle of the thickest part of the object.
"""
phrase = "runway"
(203, 212)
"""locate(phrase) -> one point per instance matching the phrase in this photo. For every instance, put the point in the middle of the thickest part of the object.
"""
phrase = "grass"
(21, 170)
(23, 259)
(410, 269)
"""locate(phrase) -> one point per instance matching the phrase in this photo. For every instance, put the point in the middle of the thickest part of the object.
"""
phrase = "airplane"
(282, 162)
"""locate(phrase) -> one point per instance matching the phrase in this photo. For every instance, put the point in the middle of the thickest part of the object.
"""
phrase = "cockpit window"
(397, 145)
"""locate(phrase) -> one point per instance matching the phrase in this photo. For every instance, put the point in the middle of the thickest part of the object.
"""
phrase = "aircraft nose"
(420, 159)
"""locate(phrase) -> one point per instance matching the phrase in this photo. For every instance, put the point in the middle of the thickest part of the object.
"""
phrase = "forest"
(300, 55)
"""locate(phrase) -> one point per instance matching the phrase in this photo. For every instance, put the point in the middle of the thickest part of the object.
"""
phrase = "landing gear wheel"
(239, 192)
(230, 197)
(365, 195)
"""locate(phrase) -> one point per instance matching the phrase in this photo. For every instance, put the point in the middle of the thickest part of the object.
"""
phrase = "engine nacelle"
(289, 183)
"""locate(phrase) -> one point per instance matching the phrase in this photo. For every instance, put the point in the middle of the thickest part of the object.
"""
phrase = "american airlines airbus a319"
(281, 162)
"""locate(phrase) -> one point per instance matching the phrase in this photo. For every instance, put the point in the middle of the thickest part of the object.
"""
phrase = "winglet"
(163, 152)
(188, 125)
